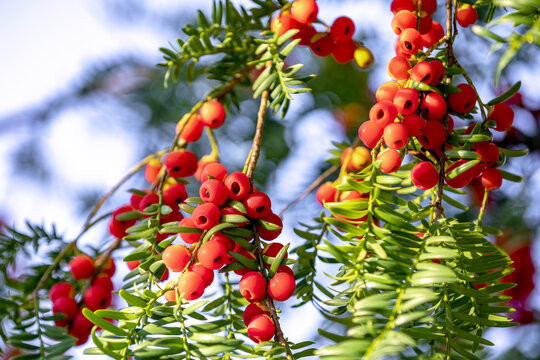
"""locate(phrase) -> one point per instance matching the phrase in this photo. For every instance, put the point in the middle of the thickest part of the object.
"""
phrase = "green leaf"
(278, 259)
(481, 31)
(102, 323)
(194, 307)
(511, 177)
(289, 48)
(249, 263)
(132, 299)
(461, 169)
(506, 95)
(514, 152)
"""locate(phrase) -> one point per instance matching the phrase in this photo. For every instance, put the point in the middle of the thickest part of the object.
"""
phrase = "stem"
(213, 143)
(256, 146)
(479, 224)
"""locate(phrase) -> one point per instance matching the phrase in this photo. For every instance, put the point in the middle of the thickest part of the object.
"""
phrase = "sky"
(45, 45)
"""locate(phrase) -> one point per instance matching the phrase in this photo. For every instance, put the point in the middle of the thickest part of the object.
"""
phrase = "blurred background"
(82, 101)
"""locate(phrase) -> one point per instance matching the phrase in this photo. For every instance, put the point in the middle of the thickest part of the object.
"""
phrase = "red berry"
(326, 193)
(174, 195)
(286, 269)
(435, 34)
(182, 163)
(342, 29)
(383, 113)
(82, 267)
(433, 106)
(424, 72)
(61, 289)
(135, 199)
(358, 158)
(395, 135)
(410, 41)
(305, 34)
(390, 161)
(148, 200)
(261, 328)
(213, 191)
(343, 52)
(398, 5)
(133, 264)
(192, 130)
(462, 179)
(434, 135)
(97, 297)
(240, 250)
(398, 68)
(253, 310)
(281, 286)
(253, 286)
(206, 216)
(203, 161)
(117, 227)
(67, 306)
(272, 251)
(463, 101)
(189, 238)
(171, 294)
(232, 211)
(425, 24)
(237, 185)
(438, 72)
(489, 154)
(424, 175)
(466, 15)
(503, 115)
(304, 11)
(270, 234)
(104, 281)
(213, 171)
(428, 6)
(404, 19)
(414, 124)
(406, 101)
(224, 240)
(190, 285)
(151, 171)
(370, 133)
(206, 274)
(387, 91)
(80, 328)
(491, 179)
(322, 44)
(176, 257)
(257, 205)
(212, 255)
(212, 114)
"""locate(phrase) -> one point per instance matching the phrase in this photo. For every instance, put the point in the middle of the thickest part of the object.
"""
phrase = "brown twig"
(257, 139)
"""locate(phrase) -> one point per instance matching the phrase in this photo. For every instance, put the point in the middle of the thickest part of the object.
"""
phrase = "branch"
(256, 146)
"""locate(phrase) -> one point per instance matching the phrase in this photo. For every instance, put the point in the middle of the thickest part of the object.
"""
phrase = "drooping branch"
(257, 139)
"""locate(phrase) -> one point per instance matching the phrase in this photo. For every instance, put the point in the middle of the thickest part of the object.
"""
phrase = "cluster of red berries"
(336, 41)
(96, 296)
(211, 114)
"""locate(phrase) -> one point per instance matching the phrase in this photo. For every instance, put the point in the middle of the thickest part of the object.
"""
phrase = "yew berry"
(466, 15)
(148, 200)
(257, 205)
(237, 185)
(270, 234)
(390, 161)
(104, 281)
(428, 6)
(281, 286)
(404, 19)
(151, 170)
(398, 5)
(395, 135)
(304, 11)
(463, 101)
(423, 72)
(261, 328)
(176, 257)
(171, 294)
(438, 72)
(192, 130)
(224, 240)
(203, 161)
(117, 227)
(66, 306)
(206, 274)
(370, 133)
(190, 285)
(326, 193)
(80, 328)
(206, 216)
(61, 289)
(489, 154)
(363, 57)
(286, 269)
(109, 267)
(212, 255)
(283, 23)
(425, 24)
(213, 171)
(406, 100)
(342, 29)
(424, 175)
(414, 124)
(174, 195)
(212, 114)
(450, 124)
(503, 115)
(387, 91)
(232, 211)
(253, 286)
(410, 41)
(253, 310)
(82, 267)
(133, 264)
(491, 179)
(272, 250)
(398, 68)
(435, 34)
(383, 113)
(81, 337)
(97, 297)
(434, 135)
(358, 158)
(322, 44)
(135, 199)
(462, 179)
(343, 52)
(352, 195)
(306, 33)
(213, 191)
(182, 163)
(433, 106)
(240, 250)
(189, 238)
